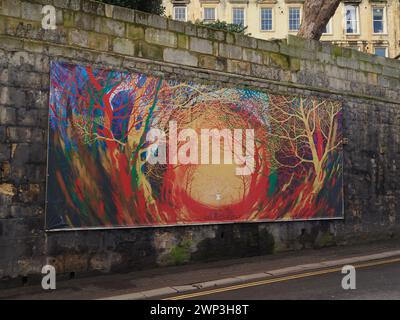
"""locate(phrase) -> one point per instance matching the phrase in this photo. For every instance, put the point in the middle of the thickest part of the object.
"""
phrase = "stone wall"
(111, 37)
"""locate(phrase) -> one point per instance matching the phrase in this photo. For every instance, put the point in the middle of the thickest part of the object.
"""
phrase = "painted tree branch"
(316, 15)
(306, 131)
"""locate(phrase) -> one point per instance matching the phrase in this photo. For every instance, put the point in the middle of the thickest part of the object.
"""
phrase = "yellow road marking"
(280, 279)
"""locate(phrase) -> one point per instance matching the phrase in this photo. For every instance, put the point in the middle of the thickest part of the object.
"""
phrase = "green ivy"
(223, 25)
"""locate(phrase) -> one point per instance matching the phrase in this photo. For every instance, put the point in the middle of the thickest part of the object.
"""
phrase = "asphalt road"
(374, 282)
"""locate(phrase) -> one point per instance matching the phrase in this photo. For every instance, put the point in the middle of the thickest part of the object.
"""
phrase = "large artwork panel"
(130, 150)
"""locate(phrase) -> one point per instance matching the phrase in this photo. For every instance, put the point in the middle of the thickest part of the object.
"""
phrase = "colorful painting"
(129, 150)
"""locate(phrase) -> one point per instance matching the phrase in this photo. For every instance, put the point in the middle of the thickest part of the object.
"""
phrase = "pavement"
(193, 279)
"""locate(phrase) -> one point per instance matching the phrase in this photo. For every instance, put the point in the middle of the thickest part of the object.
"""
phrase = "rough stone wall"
(111, 37)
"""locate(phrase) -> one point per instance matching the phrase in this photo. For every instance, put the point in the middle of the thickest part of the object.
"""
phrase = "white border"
(194, 224)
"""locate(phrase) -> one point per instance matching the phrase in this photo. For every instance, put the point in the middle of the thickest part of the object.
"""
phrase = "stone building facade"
(367, 25)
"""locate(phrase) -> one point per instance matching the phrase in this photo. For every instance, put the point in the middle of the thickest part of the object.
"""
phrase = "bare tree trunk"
(316, 15)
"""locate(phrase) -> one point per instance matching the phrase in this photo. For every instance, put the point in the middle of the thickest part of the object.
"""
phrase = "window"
(381, 52)
(209, 14)
(379, 19)
(238, 16)
(351, 16)
(328, 28)
(294, 19)
(180, 13)
(266, 19)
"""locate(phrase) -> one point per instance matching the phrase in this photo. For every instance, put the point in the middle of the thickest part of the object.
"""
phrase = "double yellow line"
(280, 279)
